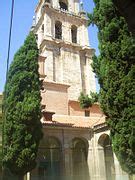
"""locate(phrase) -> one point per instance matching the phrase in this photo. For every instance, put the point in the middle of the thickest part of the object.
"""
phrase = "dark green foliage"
(94, 97)
(127, 9)
(0, 134)
(22, 112)
(0, 147)
(87, 101)
(115, 69)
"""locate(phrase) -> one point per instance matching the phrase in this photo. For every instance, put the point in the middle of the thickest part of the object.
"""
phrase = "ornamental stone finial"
(81, 6)
(82, 12)
(34, 21)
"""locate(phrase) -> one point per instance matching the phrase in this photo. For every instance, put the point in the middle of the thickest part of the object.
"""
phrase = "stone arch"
(79, 158)
(105, 142)
(74, 33)
(47, 3)
(49, 158)
(58, 30)
(82, 139)
(49, 140)
(63, 4)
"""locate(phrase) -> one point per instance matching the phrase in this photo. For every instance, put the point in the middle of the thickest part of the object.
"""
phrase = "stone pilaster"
(67, 159)
(90, 79)
(100, 164)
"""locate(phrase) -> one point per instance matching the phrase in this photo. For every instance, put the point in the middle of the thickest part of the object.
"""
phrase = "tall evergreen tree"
(22, 112)
(0, 134)
(115, 69)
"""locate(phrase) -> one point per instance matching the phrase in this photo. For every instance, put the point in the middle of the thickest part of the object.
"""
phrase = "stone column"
(71, 6)
(96, 161)
(55, 4)
(67, 152)
(47, 25)
(49, 63)
(91, 160)
(27, 176)
(90, 79)
(100, 163)
(76, 6)
(40, 37)
(119, 174)
(41, 63)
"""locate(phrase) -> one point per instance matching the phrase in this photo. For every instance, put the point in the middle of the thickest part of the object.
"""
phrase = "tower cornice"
(63, 44)
(65, 13)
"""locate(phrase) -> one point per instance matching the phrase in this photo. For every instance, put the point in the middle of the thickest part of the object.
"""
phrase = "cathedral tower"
(62, 36)
(76, 144)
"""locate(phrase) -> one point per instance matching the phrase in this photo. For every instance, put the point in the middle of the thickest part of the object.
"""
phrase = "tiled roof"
(73, 121)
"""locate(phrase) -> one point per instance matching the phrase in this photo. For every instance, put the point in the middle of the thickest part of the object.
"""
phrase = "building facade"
(76, 144)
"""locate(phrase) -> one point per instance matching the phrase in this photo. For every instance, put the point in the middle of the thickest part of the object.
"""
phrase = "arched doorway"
(104, 141)
(49, 158)
(79, 159)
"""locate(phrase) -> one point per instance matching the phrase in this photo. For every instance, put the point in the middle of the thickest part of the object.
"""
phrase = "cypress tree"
(115, 69)
(22, 111)
(0, 134)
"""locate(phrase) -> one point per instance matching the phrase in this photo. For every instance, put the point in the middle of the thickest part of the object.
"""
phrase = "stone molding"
(61, 43)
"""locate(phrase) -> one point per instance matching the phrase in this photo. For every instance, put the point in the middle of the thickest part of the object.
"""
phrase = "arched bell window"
(58, 30)
(42, 28)
(74, 34)
(63, 4)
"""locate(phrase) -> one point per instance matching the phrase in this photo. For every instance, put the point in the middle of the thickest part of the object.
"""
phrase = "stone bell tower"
(62, 36)
(76, 143)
